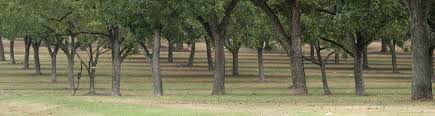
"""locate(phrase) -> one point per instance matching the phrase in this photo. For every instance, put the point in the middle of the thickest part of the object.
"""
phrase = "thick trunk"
(337, 57)
(422, 70)
(365, 59)
(116, 61)
(219, 74)
(358, 65)
(170, 52)
(261, 77)
(312, 51)
(158, 83)
(384, 46)
(192, 54)
(2, 51)
(322, 65)
(70, 71)
(11, 50)
(209, 55)
(393, 56)
(298, 72)
(235, 54)
(27, 45)
(36, 57)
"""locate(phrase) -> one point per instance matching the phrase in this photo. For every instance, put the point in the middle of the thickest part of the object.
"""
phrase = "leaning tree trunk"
(27, 45)
(322, 65)
(36, 57)
(158, 83)
(116, 60)
(209, 56)
(337, 57)
(170, 51)
(393, 56)
(384, 46)
(365, 59)
(261, 77)
(2, 51)
(358, 65)
(219, 74)
(299, 82)
(235, 54)
(422, 70)
(11, 51)
(192, 55)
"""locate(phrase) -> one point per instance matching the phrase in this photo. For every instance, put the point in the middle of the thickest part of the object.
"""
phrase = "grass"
(187, 90)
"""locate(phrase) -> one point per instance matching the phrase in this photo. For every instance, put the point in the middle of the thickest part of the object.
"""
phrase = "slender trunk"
(261, 77)
(365, 59)
(27, 45)
(384, 46)
(116, 61)
(192, 55)
(92, 81)
(170, 51)
(158, 83)
(322, 65)
(219, 74)
(36, 57)
(2, 51)
(11, 50)
(393, 56)
(209, 56)
(422, 52)
(298, 72)
(312, 51)
(235, 54)
(359, 65)
(70, 71)
(337, 57)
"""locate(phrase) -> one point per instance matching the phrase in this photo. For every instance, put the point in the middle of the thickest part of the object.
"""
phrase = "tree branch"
(339, 45)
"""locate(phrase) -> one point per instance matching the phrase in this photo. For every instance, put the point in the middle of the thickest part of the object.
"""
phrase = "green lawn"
(187, 90)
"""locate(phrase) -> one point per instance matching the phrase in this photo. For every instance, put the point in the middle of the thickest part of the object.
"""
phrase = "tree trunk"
(2, 51)
(11, 50)
(219, 74)
(422, 70)
(53, 55)
(337, 57)
(158, 83)
(322, 65)
(312, 51)
(393, 56)
(235, 54)
(209, 55)
(358, 65)
(384, 46)
(27, 45)
(170, 51)
(192, 55)
(365, 59)
(70, 71)
(36, 57)
(116, 60)
(261, 77)
(298, 72)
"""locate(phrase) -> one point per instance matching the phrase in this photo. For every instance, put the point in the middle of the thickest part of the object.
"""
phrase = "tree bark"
(393, 56)
(298, 72)
(422, 70)
(209, 55)
(53, 55)
(322, 65)
(2, 51)
(170, 51)
(11, 51)
(235, 54)
(261, 77)
(384, 46)
(219, 74)
(70, 71)
(365, 59)
(116, 60)
(35, 46)
(158, 83)
(27, 45)
(337, 57)
(358, 64)
(192, 54)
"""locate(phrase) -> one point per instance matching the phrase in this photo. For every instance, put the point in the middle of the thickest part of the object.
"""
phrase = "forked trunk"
(322, 65)
(53, 56)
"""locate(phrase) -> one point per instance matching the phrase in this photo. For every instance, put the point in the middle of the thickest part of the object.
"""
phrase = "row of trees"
(132, 26)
